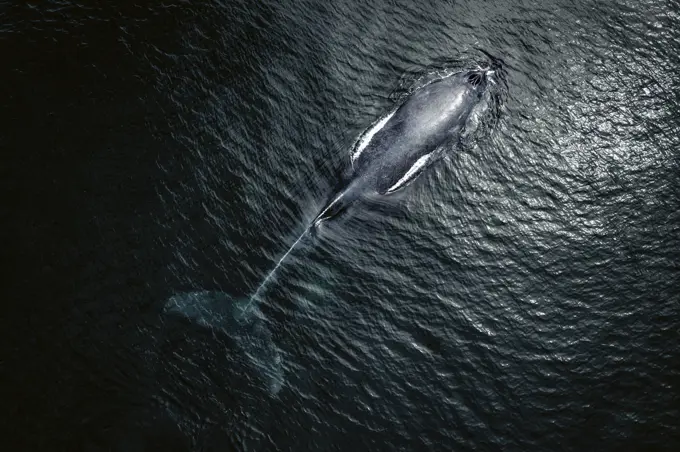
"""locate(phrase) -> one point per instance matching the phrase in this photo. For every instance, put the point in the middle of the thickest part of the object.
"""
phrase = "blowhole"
(474, 79)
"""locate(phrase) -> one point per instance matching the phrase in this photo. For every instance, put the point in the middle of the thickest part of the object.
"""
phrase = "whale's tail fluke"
(240, 321)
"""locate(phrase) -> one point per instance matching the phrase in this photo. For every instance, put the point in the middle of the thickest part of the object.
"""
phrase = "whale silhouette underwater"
(385, 159)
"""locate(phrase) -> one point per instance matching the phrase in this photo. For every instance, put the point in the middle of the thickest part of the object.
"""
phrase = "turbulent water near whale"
(521, 294)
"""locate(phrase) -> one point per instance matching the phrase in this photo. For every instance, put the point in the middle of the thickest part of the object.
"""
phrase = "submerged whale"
(392, 153)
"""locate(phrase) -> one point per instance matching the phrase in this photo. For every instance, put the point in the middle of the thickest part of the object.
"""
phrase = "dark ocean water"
(523, 294)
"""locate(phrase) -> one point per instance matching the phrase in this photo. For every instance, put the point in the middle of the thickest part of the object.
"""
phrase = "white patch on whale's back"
(368, 136)
(406, 178)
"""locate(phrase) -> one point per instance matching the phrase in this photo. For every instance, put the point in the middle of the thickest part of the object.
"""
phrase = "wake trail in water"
(319, 218)
(273, 270)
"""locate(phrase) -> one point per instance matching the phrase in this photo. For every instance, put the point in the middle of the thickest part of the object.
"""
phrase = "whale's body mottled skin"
(401, 145)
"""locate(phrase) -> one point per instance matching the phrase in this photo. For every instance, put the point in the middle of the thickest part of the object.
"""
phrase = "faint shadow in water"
(238, 319)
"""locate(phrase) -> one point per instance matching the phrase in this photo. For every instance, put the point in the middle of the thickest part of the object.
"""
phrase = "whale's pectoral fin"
(413, 172)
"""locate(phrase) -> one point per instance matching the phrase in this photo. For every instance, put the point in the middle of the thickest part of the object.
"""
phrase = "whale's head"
(481, 88)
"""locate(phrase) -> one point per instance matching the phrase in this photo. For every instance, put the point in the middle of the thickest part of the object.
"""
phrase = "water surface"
(522, 295)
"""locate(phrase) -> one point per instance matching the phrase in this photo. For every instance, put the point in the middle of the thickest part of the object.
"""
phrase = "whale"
(399, 146)
(405, 142)
(385, 159)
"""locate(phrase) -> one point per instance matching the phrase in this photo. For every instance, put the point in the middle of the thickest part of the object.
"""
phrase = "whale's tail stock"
(339, 203)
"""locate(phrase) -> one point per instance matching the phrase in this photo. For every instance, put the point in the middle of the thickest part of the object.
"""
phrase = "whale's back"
(399, 148)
